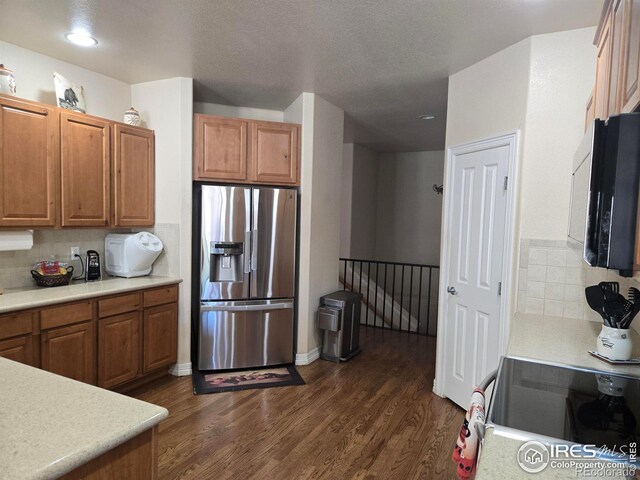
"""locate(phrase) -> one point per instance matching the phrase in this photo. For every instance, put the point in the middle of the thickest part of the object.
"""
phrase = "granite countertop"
(548, 339)
(51, 424)
(19, 299)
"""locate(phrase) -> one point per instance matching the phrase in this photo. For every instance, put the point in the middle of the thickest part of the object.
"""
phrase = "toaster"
(131, 254)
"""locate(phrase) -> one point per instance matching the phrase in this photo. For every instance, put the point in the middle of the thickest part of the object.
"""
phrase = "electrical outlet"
(74, 251)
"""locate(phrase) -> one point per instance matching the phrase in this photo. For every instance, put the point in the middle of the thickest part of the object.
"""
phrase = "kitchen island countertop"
(547, 339)
(31, 297)
(51, 425)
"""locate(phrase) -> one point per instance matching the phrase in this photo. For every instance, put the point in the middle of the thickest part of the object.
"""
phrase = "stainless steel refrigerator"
(247, 276)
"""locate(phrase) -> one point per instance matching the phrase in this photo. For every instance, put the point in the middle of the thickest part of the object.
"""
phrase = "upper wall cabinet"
(618, 59)
(65, 169)
(246, 151)
(220, 150)
(29, 157)
(274, 152)
(85, 170)
(630, 71)
(133, 177)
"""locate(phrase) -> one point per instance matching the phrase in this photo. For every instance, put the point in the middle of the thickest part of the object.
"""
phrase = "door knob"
(452, 290)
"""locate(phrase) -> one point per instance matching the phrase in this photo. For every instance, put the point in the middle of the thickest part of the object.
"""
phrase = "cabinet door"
(275, 155)
(603, 68)
(160, 337)
(118, 349)
(85, 170)
(70, 352)
(134, 176)
(617, 22)
(220, 148)
(18, 349)
(629, 91)
(590, 113)
(29, 156)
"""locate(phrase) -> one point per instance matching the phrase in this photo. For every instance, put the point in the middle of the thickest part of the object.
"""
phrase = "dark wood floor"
(373, 417)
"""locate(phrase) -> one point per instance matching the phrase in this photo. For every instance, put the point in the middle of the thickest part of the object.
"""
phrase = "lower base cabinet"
(160, 333)
(118, 349)
(70, 352)
(18, 349)
(136, 459)
(114, 342)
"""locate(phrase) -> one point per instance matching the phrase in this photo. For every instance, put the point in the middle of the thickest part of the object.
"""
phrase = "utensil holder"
(614, 343)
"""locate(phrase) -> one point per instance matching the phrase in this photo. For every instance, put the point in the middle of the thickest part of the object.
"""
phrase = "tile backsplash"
(552, 279)
(15, 266)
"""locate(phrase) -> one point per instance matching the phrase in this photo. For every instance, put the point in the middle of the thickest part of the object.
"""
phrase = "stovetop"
(565, 404)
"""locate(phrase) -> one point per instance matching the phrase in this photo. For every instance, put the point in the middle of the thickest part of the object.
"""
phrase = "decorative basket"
(53, 280)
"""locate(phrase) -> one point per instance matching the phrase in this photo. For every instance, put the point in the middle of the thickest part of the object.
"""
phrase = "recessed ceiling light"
(82, 39)
(427, 116)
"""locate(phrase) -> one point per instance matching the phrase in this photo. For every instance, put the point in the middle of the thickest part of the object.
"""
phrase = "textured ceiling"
(383, 61)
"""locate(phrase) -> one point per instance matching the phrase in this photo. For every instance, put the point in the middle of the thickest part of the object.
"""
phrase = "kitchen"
(167, 107)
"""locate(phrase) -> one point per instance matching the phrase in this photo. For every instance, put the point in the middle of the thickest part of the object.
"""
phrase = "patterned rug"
(214, 382)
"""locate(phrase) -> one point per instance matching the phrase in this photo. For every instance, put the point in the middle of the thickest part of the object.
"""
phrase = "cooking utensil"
(595, 299)
(617, 310)
(634, 294)
(611, 286)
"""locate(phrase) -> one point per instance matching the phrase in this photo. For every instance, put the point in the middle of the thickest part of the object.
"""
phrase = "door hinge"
(499, 288)
(506, 182)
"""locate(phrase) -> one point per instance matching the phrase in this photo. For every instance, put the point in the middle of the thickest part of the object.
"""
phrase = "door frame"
(512, 140)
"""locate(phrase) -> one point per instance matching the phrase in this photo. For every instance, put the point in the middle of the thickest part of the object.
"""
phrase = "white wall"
(106, 97)
(562, 75)
(166, 106)
(409, 212)
(320, 189)
(540, 87)
(346, 196)
(364, 203)
(489, 98)
(238, 112)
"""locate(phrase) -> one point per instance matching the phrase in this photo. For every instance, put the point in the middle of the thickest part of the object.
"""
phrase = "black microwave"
(604, 193)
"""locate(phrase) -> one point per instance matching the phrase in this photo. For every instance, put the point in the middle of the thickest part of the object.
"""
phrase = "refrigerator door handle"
(254, 250)
(247, 257)
(247, 308)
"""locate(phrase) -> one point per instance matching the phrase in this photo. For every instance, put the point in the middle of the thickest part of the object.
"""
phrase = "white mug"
(614, 343)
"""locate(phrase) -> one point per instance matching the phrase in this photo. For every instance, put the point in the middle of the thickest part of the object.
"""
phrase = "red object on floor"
(465, 452)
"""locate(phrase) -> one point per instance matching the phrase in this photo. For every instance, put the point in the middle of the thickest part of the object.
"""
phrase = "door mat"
(215, 382)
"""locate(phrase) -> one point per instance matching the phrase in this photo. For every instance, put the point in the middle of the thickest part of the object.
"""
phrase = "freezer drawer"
(245, 334)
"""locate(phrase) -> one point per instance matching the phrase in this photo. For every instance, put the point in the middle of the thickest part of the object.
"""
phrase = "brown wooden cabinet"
(160, 335)
(85, 166)
(618, 59)
(70, 351)
(630, 64)
(118, 341)
(19, 349)
(603, 70)
(133, 177)
(29, 156)
(220, 148)
(590, 113)
(246, 151)
(66, 169)
(274, 153)
(615, 64)
(118, 349)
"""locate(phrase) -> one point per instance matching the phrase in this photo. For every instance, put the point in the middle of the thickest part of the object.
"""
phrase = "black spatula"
(595, 299)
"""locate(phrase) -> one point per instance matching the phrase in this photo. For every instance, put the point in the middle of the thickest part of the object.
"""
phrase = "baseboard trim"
(181, 369)
(309, 357)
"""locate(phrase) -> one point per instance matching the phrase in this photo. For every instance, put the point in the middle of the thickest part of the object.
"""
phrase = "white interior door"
(476, 224)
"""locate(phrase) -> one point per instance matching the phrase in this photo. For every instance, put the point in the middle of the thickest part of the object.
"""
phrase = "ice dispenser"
(226, 262)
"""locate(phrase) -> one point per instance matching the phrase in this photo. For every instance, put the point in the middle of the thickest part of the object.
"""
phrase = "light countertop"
(19, 299)
(549, 339)
(51, 425)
